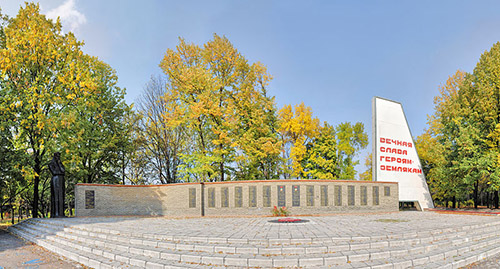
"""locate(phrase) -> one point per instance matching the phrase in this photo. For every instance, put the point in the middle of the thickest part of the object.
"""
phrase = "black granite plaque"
(324, 195)
(211, 197)
(364, 195)
(295, 195)
(192, 197)
(350, 195)
(281, 196)
(375, 195)
(89, 199)
(252, 196)
(387, 191)
(224, 197)
(238, 197)
(338, 195)
(310, 195)
(266, 196)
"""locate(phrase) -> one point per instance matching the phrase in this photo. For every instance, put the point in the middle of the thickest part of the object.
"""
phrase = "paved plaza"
(391, 240)
(259, 228)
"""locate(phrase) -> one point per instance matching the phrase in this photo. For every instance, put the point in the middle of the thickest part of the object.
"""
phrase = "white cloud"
(70, 17)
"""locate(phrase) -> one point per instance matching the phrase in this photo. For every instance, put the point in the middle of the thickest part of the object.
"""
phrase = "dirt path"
(17, 253)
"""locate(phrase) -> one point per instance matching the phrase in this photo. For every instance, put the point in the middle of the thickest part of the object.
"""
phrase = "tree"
(256, 139)
(457, 148)
(210, 91)
(321, 160)
(367, 174)
(56, 98)
(161, 144)
(432, 157)
(350, 139)
(136, 161)
(98, 134)
(314, 151)
(12, 184)
(482, 124)
(42, 72)
(297, 128)
(440, 146)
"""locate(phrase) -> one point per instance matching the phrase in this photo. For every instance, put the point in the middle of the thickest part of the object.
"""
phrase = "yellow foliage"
(297, 127)
(220, 97)
(41, 69)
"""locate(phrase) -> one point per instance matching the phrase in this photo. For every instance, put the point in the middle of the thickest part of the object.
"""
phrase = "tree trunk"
(221, 165)
(70, 209)
(221, 171)
(495, 202)
(454, 200)
(38, 171)
(476, 194)
(12, 211)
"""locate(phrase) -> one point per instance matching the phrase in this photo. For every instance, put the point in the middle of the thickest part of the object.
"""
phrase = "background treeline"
(460, 150)
(208, 117)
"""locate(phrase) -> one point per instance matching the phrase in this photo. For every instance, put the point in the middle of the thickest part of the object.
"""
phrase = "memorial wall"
(233, 198)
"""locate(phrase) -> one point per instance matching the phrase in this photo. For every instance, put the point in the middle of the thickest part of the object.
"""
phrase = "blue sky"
(332, 55)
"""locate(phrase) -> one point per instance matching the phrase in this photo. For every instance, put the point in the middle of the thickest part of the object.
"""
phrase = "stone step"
(462, 259)
(153, 248)
(360, 257)
(95, 259)
(392, 248)
(246, 246)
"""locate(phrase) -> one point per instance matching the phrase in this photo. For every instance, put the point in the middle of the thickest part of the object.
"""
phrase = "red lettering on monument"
(401, 169)
(396, 142)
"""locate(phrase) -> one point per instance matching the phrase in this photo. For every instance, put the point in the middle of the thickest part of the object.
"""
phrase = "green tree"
(481, 126)
(350, 139)
(12, 183)
(97, 136)
(439, 146)
(320, 161)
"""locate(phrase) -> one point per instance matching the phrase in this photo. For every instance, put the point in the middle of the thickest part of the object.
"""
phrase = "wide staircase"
(106, 248)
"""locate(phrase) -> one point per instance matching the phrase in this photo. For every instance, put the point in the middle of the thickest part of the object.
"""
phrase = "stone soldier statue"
(57, 186)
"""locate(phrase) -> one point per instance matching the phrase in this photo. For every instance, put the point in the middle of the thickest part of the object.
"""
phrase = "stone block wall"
(301, 197)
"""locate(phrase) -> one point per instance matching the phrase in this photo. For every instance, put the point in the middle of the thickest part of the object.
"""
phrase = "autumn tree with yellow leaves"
(222, 101)
(318, 151)
(47, 87)
(297, 128)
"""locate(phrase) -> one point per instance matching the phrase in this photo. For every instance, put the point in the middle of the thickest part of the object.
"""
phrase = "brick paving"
(392, 240)
(342, 226)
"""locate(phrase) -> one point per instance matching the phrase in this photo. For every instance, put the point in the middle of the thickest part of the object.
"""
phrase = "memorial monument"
(57, 187)
(395, 157)
(397, 175)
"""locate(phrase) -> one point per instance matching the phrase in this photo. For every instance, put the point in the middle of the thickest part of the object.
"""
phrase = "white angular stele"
(395, 157)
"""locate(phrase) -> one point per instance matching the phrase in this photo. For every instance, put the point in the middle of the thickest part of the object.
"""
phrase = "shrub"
(281, 211)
